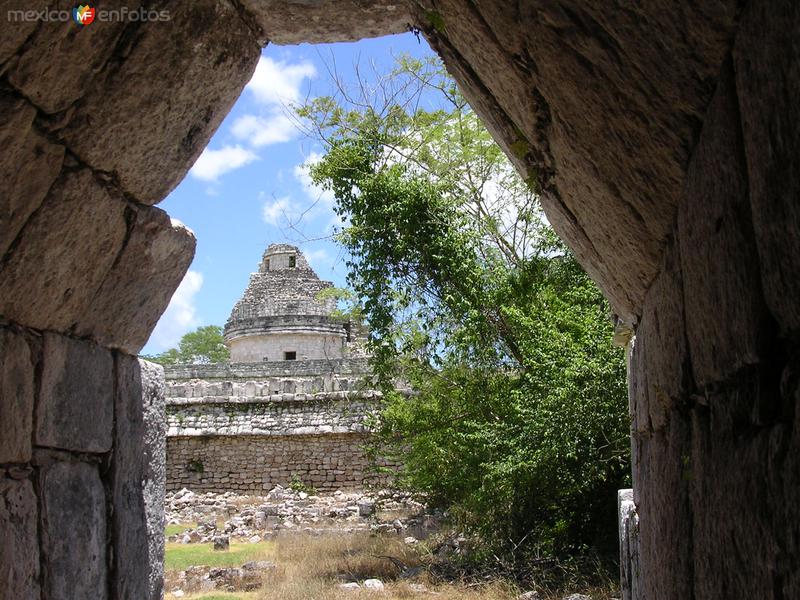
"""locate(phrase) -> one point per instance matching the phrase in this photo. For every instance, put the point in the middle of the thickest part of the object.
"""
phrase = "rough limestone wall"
(81, 470)
(96, 125)
(320, 414)
(256, 464)
(715, 377)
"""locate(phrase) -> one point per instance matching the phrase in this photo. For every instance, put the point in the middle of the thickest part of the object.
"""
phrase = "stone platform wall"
(257, 463)
(249, 427)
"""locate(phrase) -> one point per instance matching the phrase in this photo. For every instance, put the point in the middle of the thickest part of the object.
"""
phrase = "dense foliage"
(202, 346)
(516, 420)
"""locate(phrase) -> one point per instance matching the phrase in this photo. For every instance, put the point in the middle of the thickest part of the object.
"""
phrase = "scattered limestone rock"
(349, 587)
(374, 584)
(222, 542)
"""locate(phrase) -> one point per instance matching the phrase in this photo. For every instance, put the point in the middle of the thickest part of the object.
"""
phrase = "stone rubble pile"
(254, 518)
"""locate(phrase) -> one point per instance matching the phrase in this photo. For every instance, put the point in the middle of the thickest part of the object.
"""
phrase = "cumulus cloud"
(274, 85)
(280, 212)
(278, 82)
(262, 131)
(181, 314)
(214, 163)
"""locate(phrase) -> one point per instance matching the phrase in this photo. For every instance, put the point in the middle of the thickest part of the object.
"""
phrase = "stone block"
(138, 480)
(155, 446)
(14, 36)
(766, 58)
(62, 254)
(149, 135)
(76, 404)
(47, 71)
(73, 526)
(628, 546)
(661, 476)
(726, 319)
(141, 282)
(658, 371)
(292, 22)
(16, 397)
(28, 166)
(745, 477)
(19, 554)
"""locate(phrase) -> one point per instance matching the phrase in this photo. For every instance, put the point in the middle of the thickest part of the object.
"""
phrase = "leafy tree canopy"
(518, 417)
(202, 346)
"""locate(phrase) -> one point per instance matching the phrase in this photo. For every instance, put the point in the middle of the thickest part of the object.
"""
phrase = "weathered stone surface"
(13, 36)
(63, 254)
(255, 464)
(745, 480)
(138, 480)
(141, 282)
(661, 473)
(297, 21)
(73, 525)
(149, 133)
(659, 363)
(222, 543)
(628, 546)
(19, 554)
(16, 397)
(28, 165)
(155, 482)
(60, 59)
(75, 408)
(767, 65)
(129, 523)
(726, 320)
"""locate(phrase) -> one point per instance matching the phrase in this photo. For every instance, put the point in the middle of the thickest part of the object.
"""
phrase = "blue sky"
(249, 187)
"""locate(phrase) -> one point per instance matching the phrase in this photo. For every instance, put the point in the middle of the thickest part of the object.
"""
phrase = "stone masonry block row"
(55, 527)
(256, 464)
(137, 259)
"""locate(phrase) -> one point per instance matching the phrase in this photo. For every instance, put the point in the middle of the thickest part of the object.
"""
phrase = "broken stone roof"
(284, 285)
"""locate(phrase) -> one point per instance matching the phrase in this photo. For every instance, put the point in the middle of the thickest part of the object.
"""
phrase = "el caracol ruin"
(663, 136)
(291, 406)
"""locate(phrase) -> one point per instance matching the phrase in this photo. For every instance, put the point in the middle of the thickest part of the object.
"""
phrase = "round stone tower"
(280, 317)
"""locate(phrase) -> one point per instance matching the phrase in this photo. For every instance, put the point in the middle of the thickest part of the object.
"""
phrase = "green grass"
(181, 556)
(178, 528)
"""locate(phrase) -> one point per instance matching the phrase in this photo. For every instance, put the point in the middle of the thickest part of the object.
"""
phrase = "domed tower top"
(280, 315)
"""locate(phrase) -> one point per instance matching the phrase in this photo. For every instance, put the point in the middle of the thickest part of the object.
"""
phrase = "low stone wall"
(257, 463)
(318, 414)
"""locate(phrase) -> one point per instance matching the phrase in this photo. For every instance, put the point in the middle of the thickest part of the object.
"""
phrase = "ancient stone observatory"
(293, 402)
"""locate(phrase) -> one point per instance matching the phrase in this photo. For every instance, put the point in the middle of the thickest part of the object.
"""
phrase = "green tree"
(202, 346)
(517, 420)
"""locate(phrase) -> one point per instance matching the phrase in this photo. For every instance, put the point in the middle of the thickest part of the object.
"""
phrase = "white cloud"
(318, 258)
(181, 314)
(214, 163)
(276, 83)
(280, 211)
(262, 131)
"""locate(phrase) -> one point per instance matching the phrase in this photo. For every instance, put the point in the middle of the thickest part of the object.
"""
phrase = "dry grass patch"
(311, 568)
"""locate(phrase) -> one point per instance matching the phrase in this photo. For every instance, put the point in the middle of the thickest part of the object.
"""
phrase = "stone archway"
(666, 143)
